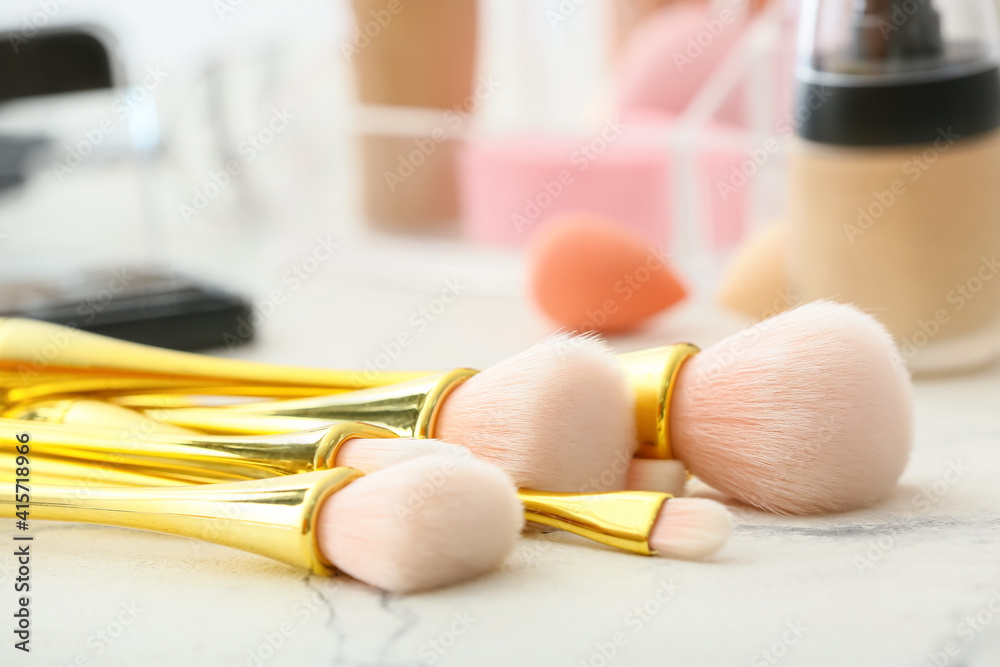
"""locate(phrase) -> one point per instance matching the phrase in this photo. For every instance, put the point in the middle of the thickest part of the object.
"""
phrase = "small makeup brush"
(386, 531)
(383, 529)
(226, 458)
(557, 416)
(646, 523)
(667, 476)
(643, 522)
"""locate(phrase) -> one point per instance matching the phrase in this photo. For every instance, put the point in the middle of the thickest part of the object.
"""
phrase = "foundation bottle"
(894, 192)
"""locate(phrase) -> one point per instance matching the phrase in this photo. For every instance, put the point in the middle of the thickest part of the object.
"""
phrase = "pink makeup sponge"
(672, 54)
(809, 411)
(589, 273)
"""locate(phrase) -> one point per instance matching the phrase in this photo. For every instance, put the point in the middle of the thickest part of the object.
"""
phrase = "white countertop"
(884, 587)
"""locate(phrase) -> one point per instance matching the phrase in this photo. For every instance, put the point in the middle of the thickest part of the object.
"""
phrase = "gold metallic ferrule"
(274, 517)
(621, 519)
(653, 375)
(408, 409)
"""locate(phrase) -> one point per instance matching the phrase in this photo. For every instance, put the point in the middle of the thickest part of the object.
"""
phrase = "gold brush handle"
(274, 517)
(28, 346)
(211, 458)
(620, 519)
(623, 519)
(82, 475)
(19, 389)
(407, 408)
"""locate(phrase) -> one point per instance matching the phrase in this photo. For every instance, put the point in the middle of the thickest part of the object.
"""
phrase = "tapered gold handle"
(620, 519)
(29, 346)
(274, 517)
(623, 519)
(198, 457)
(18, 388)
(408, 408)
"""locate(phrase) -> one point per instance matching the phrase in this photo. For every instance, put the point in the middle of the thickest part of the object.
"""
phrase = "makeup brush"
(368, 454)
(30, 349)
(208, 458)
(369, 527)
(555, 417)
(640, 522)
(808, 411)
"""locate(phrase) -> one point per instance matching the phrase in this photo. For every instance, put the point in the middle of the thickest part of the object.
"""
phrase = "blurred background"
(180, 173)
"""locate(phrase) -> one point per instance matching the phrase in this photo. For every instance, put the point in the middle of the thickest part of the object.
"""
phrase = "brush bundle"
(807, 412)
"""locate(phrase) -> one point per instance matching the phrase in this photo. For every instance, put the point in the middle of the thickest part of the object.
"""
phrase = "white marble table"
(901, 584)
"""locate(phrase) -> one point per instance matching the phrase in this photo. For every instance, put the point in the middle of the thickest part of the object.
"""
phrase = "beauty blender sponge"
(668, 58)
(756, 281)
(589, 273)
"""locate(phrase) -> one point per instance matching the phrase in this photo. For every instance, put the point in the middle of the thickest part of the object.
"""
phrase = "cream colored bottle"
(894, 190)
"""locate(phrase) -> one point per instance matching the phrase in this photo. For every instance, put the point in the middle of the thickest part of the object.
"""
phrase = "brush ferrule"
(653, 375)
(620, 519)
(274, 517)
(408, 409)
